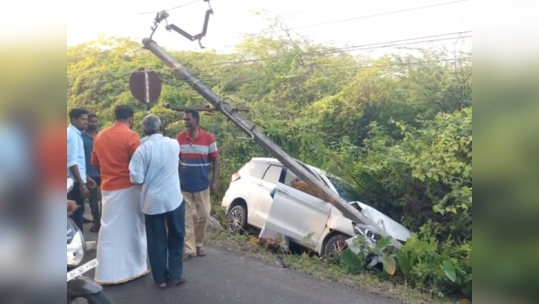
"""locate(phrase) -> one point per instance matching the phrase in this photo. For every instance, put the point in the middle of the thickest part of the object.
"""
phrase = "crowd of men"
(155, 195)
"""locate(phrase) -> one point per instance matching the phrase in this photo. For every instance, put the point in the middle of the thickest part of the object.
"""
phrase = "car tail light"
(235, 177)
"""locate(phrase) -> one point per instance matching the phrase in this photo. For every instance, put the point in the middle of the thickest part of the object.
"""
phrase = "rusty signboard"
(145, 85)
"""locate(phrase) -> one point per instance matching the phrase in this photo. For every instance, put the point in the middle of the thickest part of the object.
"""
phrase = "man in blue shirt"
(88, 140)
(76, 163)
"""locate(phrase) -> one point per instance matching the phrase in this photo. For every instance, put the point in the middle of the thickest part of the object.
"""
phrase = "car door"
(257, 169)
(297, 214)
(265, 186)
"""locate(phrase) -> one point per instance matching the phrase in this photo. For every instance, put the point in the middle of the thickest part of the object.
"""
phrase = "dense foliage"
(398, 128)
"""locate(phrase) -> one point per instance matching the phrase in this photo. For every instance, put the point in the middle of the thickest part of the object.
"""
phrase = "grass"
(375, 283)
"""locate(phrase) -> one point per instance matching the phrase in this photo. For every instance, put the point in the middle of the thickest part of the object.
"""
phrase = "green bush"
(423, 179)
(422, 264)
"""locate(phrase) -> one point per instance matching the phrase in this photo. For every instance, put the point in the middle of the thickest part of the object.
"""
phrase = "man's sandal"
(188, 256)
(180, 282)
(95, 228)
(201, 252)
(163, 286)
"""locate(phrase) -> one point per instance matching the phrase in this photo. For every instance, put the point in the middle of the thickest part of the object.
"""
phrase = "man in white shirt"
(76, 163)
(155, 166)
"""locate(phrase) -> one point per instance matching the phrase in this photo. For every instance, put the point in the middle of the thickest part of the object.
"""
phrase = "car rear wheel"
(237, 220)
(335, 245)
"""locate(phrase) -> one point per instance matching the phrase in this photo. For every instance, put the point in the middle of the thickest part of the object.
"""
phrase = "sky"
(234, 18)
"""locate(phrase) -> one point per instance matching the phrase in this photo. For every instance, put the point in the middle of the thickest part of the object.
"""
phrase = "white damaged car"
(305, 219)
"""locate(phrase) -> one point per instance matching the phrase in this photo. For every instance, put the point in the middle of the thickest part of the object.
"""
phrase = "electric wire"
(372, 46)
(170, 9)
(338, 21)
(123, 74)
(313, 25)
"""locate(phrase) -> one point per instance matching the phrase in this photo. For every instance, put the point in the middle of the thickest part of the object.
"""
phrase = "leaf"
(450, 272)
(468, 278)
(390, 264)
(382, 245)
(354, 263)
(253, 240)
(405, 264)
(345, 268)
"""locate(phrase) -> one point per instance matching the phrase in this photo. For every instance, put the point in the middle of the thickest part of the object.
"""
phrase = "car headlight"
(75, 250)
(368, 232)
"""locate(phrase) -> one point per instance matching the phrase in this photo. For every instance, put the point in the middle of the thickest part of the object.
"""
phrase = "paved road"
(226, 277)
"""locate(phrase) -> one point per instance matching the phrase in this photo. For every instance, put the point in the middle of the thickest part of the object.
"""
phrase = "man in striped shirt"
(198, 156)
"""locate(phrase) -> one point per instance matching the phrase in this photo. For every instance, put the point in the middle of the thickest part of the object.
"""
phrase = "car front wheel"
(237, 220)
(335, 245)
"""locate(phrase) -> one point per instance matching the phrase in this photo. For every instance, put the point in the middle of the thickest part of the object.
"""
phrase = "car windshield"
(345, 190)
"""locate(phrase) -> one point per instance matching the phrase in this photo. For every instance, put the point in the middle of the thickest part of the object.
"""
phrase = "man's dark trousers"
(78, 215)
(160, 244)
(94, 201)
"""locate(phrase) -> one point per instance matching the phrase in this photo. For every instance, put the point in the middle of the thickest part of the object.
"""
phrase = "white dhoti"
(122, 248)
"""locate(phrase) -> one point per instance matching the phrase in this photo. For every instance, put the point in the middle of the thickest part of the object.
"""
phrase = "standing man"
(198, 156)
(76, 163)
(121, 249)
(155, 167)
(88, 140)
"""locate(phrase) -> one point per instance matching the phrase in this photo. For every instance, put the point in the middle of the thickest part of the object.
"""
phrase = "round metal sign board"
(145, 85)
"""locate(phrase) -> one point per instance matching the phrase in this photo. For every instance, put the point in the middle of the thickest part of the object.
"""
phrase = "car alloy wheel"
(336, 245)
(236, 219)
(337, 248)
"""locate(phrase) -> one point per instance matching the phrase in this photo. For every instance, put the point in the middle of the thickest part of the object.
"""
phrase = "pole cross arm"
(290, 163)
(189, 36)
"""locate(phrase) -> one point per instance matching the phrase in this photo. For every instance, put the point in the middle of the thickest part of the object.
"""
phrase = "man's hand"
(72, 206)
(91, 183)
(84, 191)
(214, 187)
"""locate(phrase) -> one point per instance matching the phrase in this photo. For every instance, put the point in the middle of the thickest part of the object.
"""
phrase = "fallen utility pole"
(289, 162)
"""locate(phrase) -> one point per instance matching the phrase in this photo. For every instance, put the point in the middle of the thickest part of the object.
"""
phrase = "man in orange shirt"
(122, 247)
